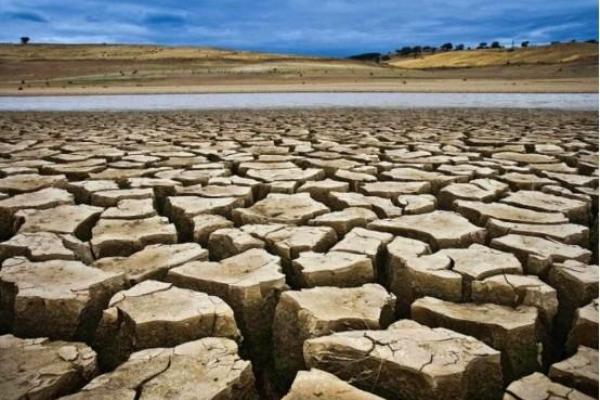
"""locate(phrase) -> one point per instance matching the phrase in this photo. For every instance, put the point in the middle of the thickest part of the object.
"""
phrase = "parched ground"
(299, 254)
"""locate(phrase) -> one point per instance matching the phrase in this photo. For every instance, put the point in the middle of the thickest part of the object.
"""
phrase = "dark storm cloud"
(23, 16)
(328, 27)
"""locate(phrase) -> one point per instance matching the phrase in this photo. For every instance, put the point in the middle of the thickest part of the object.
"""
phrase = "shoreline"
(547, 86)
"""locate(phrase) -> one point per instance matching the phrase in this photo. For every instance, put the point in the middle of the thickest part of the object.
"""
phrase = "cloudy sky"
(322, 27)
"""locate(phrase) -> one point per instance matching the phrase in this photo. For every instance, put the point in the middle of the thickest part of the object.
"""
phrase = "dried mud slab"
(208, 368)
(409, 360)
(441, 229)
(43, 369)
(153, 261)
(479, 213)
(75, 220)
(512, 331)
(182, 210)
(131, 209)
(123, 237)
(308, 313)
(515, 290)
(249, 282)
(57, 299)
(537, 254)
(566, 233)
(579, 371)
(156, 314)
(585, 328)
(538, 386)
(228, 242)
(281, 208)
(42, 199)
(316, 385)
(343, 218)
(45, 246)
(17, 184)
(332, 269)
(344, 221)
(576, 285)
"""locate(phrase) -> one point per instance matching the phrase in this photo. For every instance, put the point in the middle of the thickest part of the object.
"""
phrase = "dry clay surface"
(334, 254)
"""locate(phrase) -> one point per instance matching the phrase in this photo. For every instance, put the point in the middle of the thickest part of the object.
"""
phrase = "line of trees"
(417, 50)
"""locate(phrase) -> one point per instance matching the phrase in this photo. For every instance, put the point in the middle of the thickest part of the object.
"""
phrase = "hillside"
(117, 52)
(84, 69)
(579, 53)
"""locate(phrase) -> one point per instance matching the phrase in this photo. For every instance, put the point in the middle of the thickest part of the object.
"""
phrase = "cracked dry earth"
(334, 254)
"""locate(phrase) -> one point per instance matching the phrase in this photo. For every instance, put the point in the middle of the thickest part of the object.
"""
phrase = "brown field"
(85, 69)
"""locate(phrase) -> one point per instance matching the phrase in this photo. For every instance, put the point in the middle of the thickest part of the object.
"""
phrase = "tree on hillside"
(525, 43)
(406, 50)
(446, 46)
(495, 45)
(24, 40)
(459, 47)
(482, 45)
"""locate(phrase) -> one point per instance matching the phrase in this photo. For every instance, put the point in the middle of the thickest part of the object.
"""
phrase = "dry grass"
(580, 53)
(64, 69)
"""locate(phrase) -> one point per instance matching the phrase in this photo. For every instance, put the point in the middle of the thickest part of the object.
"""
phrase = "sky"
(315, 27)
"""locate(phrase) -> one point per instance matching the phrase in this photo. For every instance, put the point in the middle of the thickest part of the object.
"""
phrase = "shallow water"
(148, 102)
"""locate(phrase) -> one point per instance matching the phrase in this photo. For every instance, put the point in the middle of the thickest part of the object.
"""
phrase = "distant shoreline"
(300, 100)
(575, 85)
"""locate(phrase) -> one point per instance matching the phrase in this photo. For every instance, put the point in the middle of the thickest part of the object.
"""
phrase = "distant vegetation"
(421, 50)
